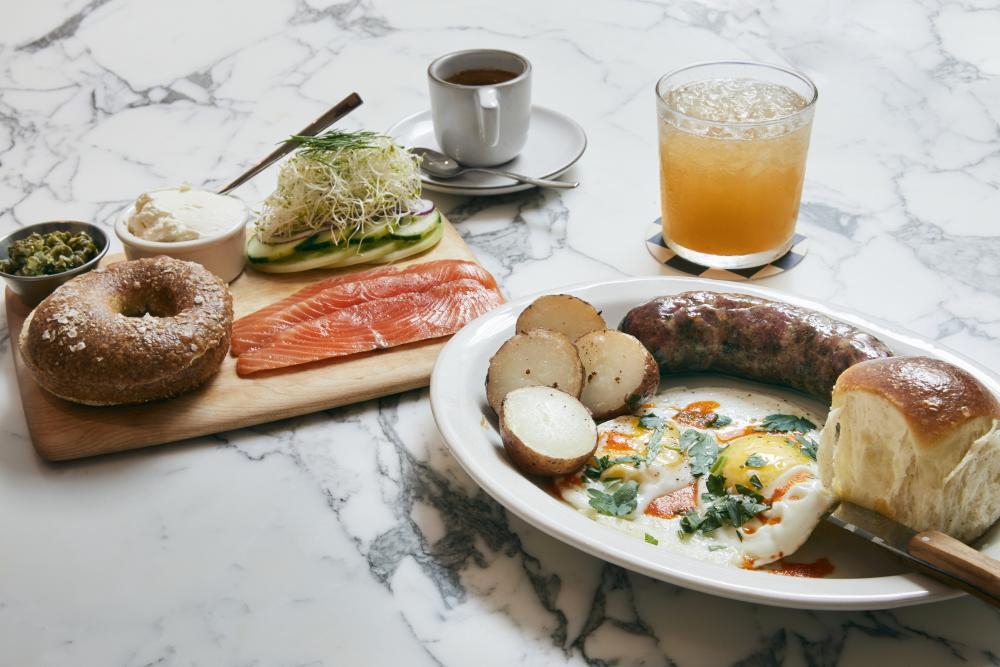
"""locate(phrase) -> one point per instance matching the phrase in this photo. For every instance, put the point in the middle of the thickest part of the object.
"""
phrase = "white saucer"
(555, 143)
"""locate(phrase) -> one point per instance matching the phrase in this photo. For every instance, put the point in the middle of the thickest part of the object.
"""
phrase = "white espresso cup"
(481, 105)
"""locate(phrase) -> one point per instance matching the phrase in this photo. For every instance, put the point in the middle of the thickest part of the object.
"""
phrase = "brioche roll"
(917, 440)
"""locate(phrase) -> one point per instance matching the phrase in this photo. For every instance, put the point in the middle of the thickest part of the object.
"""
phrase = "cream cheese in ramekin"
(183, 214)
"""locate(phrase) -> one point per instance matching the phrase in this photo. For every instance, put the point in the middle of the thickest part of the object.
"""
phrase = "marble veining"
(351, 536)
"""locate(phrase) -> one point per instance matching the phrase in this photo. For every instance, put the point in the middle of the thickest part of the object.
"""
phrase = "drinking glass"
(733, 143)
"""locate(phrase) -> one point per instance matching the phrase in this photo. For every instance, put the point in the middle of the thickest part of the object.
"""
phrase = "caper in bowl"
(36, 259)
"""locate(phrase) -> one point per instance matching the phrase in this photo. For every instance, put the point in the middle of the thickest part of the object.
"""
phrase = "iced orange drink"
(733, 144)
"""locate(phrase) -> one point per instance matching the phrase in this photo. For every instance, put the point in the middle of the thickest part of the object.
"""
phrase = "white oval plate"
(458, 400)
(555, 143)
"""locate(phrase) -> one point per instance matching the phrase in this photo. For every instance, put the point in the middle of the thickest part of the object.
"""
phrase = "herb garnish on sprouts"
(334, 140)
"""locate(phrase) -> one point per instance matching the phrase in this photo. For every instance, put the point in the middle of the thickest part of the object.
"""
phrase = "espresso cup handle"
(489, 116)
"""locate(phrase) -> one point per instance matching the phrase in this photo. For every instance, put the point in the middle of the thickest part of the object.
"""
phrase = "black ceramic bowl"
(32, 289)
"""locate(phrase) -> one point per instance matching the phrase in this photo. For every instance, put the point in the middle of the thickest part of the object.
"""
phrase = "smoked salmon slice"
(255, 330)
(376, 324)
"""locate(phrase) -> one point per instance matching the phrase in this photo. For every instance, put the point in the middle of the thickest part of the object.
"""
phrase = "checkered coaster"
(661, 253)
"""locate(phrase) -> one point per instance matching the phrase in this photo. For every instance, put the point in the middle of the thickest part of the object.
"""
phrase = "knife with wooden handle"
(332, 115)
(932, 553)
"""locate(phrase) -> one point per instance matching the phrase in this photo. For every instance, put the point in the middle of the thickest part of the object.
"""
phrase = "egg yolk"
(774, 455)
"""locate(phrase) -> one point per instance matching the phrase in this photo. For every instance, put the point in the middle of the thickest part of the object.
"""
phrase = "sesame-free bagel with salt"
(133, 332)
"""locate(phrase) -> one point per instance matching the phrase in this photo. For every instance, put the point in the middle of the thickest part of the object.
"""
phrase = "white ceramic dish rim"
(165, 247)
(435, 185)
(450, 396)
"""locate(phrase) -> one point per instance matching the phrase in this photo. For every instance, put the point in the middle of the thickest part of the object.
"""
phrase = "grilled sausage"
(751, 337)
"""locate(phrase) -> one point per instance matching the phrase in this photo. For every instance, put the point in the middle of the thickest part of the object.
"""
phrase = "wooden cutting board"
(61, 430)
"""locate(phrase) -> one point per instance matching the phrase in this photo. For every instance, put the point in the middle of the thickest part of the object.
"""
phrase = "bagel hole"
(155, 303)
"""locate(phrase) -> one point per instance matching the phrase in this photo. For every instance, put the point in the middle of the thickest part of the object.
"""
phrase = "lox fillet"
(376, 324)
(256, 330)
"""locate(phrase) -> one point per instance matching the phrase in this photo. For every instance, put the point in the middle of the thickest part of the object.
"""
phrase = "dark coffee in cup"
(481, 77)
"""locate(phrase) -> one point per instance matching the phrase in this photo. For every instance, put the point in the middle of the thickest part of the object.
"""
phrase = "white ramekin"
(223, 254)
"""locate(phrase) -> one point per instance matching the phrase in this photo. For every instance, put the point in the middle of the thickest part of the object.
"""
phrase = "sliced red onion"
(422, 207)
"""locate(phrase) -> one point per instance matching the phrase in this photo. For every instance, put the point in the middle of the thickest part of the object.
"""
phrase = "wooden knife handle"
(961, 565)
(332, 115)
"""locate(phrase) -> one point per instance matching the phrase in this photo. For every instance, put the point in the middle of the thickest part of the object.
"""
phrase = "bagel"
(133, 332)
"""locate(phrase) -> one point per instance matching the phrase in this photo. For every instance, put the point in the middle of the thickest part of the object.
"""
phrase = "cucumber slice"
(412, 229)
(331, 257)
(406, 249)
(305, 261)
(366, 254)
(374, 233)
(325, 239)
(318, 241)
(262, 253)
(381, 251)
(418, 227)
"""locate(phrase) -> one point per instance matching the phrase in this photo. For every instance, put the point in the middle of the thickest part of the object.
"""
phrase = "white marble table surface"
(351, 537)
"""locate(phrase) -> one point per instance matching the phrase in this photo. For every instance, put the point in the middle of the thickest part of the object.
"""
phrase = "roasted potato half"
(620, 373)
(566, 314)
(534, 358)
(546, 432)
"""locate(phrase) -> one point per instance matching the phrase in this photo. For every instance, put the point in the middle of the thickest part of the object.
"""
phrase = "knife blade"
(951, 562)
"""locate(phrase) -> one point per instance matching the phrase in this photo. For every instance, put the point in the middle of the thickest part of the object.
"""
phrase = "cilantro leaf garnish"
(716, 547)
(692, 522)
(656, 425)
(779, 423)
(621, 502)
(716, 485)
(719, 421)
(595, 468)
(634, 459)
(720, 509)
(652, 540)
(749, 493)
(752, 505)
(701, 449)
(755, 481)
(807, 445)
(612, 483)
(650, 421)
(755, 461)
(732, 510)
(655, 443)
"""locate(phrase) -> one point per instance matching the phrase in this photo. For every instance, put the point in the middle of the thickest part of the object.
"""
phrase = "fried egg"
(732, 477)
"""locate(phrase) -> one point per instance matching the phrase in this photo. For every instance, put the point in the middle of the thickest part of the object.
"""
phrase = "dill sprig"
(335, 141)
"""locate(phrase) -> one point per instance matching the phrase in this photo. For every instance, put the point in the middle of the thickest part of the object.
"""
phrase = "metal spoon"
(342, 108)
(440, 165)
